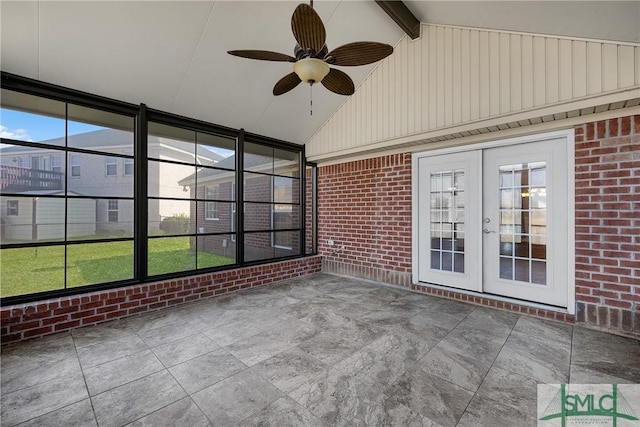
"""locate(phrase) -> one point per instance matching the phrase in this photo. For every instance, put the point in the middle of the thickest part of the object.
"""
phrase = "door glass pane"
(523, 221)
(447, 216)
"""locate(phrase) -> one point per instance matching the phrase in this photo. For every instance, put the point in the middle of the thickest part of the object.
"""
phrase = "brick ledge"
(40, 318)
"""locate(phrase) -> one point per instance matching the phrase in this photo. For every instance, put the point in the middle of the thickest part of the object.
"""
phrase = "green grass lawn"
(29, 270)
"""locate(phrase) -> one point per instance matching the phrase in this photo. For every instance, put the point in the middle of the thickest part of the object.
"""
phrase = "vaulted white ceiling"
(172, 56)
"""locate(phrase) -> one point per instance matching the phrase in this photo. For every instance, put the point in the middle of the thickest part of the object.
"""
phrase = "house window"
(112, 166)
(12, 208)
(112, 211)
(56, 164)
(74, 160)
(128, 165)
(211, 209)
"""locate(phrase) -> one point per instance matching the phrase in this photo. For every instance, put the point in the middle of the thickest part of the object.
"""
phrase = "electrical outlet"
(330, 242)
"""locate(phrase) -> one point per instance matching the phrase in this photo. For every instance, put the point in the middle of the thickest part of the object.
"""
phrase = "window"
(74, 160)
(37, 163)
(191, 172)
(80, 228)
(282, 219)
(211, 209)
(112, 166)
(128, 165)
(188, 173)
(12, 208)
(112, 211)
(56, 164)
(272, 226)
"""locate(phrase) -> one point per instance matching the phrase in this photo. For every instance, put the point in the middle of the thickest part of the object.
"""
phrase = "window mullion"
(141, 203)
(240, 198)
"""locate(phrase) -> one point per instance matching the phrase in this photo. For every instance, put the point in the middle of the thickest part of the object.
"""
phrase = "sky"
(24, 126)
(37, 128)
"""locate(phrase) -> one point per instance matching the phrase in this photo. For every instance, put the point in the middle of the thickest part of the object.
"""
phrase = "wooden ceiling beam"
(401, 14)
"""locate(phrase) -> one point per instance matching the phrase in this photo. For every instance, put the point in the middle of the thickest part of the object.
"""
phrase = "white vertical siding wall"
(451, 76)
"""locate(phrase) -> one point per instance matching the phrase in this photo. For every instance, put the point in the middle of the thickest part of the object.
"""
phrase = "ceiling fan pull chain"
(311, 100)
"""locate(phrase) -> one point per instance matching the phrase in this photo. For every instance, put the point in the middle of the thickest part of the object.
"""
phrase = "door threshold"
(493, 297)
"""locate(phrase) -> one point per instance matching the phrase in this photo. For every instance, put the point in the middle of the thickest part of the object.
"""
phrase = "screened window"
(66, 228)
(272, 227)
(112, 166)
(52, 241)
(188, 174)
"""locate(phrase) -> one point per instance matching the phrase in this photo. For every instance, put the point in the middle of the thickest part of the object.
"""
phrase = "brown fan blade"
(286, 83)
(263, 55)
(338, 82)
(359, 53)
(308, 28)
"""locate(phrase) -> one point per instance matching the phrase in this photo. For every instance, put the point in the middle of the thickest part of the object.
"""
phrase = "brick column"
(608, 224)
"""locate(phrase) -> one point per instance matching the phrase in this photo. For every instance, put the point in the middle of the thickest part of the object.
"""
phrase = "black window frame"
(142, 116)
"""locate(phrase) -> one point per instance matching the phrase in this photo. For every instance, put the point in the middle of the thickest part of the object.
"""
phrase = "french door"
(496, 221)
(449, 229)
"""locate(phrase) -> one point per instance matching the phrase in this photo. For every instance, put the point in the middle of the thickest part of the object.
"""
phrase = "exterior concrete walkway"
(319, 351)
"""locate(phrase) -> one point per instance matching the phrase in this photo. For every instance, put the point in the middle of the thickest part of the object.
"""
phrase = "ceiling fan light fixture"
(311, 70)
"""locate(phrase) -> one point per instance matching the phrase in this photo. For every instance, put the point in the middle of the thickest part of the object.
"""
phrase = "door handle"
(487, 231)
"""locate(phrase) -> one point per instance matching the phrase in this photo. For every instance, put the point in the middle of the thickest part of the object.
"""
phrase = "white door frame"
(568, 135)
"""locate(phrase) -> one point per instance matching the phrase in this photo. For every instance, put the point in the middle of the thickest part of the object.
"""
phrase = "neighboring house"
(271, 197)
(109, 179)
(42, 218)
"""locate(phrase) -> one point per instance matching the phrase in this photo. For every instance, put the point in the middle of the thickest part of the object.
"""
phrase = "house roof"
(50, 193)
(179, 62)
(103, 139)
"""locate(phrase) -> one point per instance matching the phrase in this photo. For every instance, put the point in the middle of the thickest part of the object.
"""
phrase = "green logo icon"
(583, 407)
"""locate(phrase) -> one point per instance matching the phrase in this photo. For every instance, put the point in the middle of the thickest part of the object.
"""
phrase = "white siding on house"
(81, 218)
(453, 76)
(17, 227)
(49, 219)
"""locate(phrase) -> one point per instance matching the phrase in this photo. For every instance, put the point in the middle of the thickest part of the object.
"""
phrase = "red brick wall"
(308, 214)
(608, 224)
(60, 314)
(365, 206)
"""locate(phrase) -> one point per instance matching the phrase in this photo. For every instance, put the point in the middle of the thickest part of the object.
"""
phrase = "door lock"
(487, 231)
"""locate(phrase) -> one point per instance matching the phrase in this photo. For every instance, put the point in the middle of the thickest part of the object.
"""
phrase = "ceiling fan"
(312, 57)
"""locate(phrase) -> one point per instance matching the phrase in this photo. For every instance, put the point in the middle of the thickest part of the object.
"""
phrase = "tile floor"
(317, 351)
